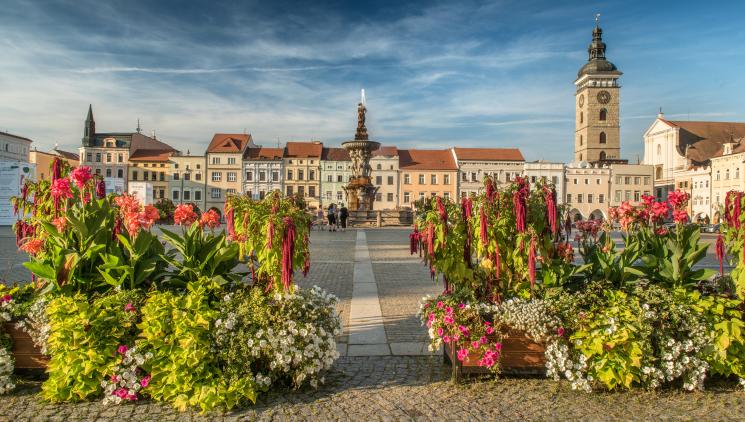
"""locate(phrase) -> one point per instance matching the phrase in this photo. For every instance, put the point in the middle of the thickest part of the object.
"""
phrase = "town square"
(206, 216)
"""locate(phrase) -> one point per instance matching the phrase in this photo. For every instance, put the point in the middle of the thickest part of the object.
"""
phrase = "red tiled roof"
(385, 151)
(229, 142)
(264, 153)
(151, 155)
(303, 149)
(65, 154)
(489, 154)
(422, 159)
(335, 154)
(700, 141)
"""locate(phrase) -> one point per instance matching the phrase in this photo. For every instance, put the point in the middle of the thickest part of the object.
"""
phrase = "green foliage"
(165, 208)
(136, 264)
(23, 297)
(185, 370)
(85, 335)
(669, 259)
(726, 329)
(606, 264)
(202, 256)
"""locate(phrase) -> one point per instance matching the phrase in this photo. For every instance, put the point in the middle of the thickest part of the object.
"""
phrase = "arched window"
(580, 157)
(717, 177)
(602, 155)
(726, 175)
(581, 141)
(380, 167)
(603, 114)
(659, 149)
(602, 137)
(581, 117)
(737, 173)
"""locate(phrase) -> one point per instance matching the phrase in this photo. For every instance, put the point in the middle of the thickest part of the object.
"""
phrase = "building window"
(108, 172)
(89, 157)
(646, 180)
(379, 197)
(174, 195)
(339, 178)
(289, 190)
(231, 160)
(581, 142)
(198, 176)
(575, 180)
(637, 180)
(98, 157)
(587, 181)
(717, 177)
(602, 155)
(120, 159)
(627, 195)
(216, 176)
(187, 176)
(262, 176)
(232, 176)
(659, 149)
(339, 195)
(215, 160)
(249, 176)
(579, 198)
(134, 175)
(312, 191)
(421, 179)
(108, 157)
(589, 198)
(301, 191)
(300, 175)
(379, 167)
(407, 197)
(637, 196)
(389, 197)
(216, 193)
(473, 176)
(275, 176)
(330, 178)
(289, 176)
(618, 196)
(312, 175)
(602, 137)
(603, 114)
(407, 179)
(120, 173)
(601, 198)
(581, 117)
(433, 179)
(98, 172)
(390, 180)
(446, 195)
(230, 191)
(198, 195)
(446, 179)
(378, 180)
(464, 176)
(726, 174)
(175, 175)
(328, 195)
(187, 195)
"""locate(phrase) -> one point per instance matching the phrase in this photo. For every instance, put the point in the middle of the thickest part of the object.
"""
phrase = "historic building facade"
(149, 163)
(629, 183)
(727, 173)
(336, 170)
(474, 164)
(549, 172)
(262, 171)
(302, 167)
(384, 163)
(427, 173)
(43, 161)
(587, 190)
(597, 98)
(225, 167)
(14, 148)
(187, 181)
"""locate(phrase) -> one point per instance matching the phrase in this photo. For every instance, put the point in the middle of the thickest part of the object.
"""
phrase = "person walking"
(332, 217)
(343, 215)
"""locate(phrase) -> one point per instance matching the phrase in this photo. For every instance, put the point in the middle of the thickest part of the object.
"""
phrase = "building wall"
(154, 172)
(109, 162)
(191, 188)
(473, 173)
(335, 176)
(413, 188)
(696, 182)
(587, 191)
(43, 161)
(224, 177)
(272, 172)
(726, 174)
(589, 126)
(14, 149)
(661, 151)
(629, 182)
(385, 176)
(551, 172)
(308, 185)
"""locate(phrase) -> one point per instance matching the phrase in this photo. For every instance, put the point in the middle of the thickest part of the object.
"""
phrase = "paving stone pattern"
(394, 387)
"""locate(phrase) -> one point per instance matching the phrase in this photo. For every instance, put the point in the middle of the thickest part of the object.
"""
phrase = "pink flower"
(122, 349)
(145, 381)
(431, 317)
(448, 319)
(446, 339)
(81, 175)
(680, 216)
(489, 330)
(498, 346)
(456, 337)
(560, 331)
(33, 246)
(661, 231)
(6, 298)
(462, 354)
(483, 340)
(475, 344)
(114, 378)
(210, 219)
(129, 307)
(463, 329)
(440, 331)
(462, 305)
(678, 199)
(440, 304)
(449, 310)
(184, 215)
(659, 211)
(61, 189)
(121, 393)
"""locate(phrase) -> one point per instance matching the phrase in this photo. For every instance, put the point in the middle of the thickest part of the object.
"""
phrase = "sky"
(436, 74)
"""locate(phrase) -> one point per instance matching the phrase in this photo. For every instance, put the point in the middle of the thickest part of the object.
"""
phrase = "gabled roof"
(65, 154)
(335, 154)
(145, 148)
(385, 151)
(423, 159)
(312, 149)
(229, 143)
(16, 136)
(264, 153)
(700, 141)
(489, 154)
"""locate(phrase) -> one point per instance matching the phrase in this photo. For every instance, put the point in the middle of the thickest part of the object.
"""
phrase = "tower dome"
(596, 62)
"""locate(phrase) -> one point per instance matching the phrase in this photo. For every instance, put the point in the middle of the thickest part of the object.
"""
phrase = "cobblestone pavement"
(398, 387)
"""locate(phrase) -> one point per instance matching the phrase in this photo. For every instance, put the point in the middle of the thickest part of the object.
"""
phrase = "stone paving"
(394, 385)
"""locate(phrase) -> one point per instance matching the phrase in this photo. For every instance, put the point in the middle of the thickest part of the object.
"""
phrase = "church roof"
(700, 141)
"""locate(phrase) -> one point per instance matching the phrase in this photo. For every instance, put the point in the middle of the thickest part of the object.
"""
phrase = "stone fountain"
(360, 190)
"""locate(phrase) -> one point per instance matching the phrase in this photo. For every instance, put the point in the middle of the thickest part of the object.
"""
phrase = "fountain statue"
(360, 190)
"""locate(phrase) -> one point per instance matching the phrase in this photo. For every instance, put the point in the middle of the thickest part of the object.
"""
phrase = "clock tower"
(597, 136)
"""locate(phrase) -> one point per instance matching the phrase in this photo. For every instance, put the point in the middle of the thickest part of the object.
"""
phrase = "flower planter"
(519, 356)
(26, 354)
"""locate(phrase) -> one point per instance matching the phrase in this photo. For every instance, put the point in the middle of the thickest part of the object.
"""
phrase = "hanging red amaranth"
(720, 253)
(727, 205)
(519, 201)
(736, 213)
(230, 220)
(531, 262)
(550, 197)
(270, 235)
(466, 211)
(413, 241)
(100, 188)
(117, 228)
(56, 169)
(431, 240)
(306, 267)
(489, 189)
(443, 214)
(288, 250)
(484, 225)
(497, 260)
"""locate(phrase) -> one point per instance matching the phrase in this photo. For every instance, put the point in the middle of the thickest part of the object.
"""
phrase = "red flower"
(288, 250)
(660, 211)
(210, 219)
(127, 203)
(661, 231)
(33, 246)
(184, 215)
(678, 199)
(531, 262)
(648, 200)
(100, 188)
(81, 175)
(61, 189)
(149, 216)
(60, 223)
(720, 253)
(520, 201)
(680, 216)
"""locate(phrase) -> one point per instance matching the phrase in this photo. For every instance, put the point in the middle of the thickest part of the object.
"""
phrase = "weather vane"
(597, 18)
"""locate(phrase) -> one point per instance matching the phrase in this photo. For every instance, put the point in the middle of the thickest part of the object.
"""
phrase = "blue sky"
(437, 74)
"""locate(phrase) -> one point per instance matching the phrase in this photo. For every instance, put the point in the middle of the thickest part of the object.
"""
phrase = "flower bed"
(644, 315)
(122, 317)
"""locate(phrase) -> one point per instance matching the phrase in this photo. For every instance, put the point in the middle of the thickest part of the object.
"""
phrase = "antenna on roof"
(139, 129)
(152, 133)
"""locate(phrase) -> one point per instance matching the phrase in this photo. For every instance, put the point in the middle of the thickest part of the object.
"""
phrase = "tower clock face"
(581, 100)
(603, 97)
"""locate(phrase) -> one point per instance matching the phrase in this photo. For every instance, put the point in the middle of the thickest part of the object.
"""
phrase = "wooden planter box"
(519, 356)
(25, 353)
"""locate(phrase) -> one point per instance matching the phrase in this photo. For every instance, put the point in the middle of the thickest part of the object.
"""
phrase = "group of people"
(336, 216)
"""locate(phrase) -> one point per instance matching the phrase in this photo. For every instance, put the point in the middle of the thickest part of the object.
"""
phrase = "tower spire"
(596, 49)
(89, 131)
